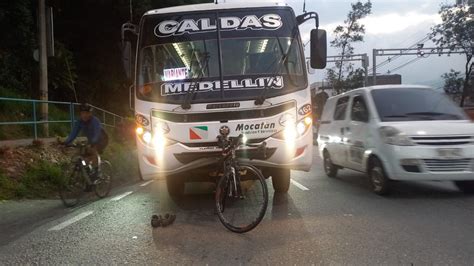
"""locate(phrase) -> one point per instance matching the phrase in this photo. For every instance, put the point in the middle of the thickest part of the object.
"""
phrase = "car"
(397, 132)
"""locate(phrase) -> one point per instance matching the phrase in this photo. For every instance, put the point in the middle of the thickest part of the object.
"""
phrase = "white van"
(398, 132)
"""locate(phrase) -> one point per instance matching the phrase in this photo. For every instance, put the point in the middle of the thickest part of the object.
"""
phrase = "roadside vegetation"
(12, 111)
(37, 170)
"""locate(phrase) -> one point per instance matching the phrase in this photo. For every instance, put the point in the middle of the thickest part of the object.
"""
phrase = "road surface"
(320, 221)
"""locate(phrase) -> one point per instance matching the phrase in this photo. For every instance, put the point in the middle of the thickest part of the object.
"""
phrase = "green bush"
(8, 187)
(41, 180)
(124, 160)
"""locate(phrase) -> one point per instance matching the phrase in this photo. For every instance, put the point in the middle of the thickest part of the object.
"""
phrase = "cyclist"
(92, 128)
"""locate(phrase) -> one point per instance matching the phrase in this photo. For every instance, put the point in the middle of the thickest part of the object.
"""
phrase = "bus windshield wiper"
(193, 86)
(263, 96)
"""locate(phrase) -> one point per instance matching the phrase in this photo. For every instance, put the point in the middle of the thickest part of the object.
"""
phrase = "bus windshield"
(251, 60)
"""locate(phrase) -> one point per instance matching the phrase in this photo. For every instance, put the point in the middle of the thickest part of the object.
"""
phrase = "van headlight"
(294, 130)
(393, 136)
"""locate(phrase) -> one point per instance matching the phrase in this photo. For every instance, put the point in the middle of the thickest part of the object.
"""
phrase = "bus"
(200, 67)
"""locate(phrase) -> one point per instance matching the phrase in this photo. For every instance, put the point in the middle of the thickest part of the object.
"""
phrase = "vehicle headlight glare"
(293, 130)
(301, 127)
(289, 133)
(159, 141)
(147, 137)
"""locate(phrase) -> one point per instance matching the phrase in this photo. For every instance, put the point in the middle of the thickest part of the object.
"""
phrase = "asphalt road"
(320, 221)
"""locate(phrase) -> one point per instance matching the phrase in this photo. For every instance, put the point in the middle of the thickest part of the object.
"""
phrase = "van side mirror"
(318, 53)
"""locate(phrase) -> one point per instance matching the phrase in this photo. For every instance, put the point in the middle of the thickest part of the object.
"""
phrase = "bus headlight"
(157, 140)
(293, 130)
(147, 137)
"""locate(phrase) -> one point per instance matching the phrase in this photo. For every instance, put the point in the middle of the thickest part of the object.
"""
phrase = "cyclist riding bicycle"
(91, 127)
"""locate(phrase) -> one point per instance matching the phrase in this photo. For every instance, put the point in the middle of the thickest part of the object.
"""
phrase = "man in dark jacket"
(92, 128)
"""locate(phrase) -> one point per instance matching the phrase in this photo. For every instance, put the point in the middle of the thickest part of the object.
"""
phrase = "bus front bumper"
(178, 158)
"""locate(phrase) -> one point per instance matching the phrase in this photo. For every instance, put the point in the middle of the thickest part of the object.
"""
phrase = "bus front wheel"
(175, 185)
(281, 180)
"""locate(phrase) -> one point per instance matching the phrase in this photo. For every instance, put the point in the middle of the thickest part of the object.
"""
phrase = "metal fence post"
(71, 114)
(34, 120)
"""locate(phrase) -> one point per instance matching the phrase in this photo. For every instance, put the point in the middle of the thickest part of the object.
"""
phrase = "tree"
(18, 41)
(453, 84)
(457, 30)
(345, 36)
(95, 43)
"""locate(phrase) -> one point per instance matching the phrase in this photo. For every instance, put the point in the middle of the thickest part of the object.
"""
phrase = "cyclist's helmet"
(85, 107)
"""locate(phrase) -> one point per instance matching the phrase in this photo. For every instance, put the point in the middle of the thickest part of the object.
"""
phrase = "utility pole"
(43, 65)
(363, 58)
(420, 51)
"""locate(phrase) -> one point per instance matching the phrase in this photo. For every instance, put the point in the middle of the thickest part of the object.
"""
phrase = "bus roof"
(211, 6)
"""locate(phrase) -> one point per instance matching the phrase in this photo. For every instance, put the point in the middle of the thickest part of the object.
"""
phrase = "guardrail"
(107, 118)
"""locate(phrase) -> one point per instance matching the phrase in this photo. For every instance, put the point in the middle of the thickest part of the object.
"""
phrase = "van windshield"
(414, 104)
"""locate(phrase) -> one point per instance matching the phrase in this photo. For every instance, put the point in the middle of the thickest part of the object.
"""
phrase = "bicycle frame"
(82, 164)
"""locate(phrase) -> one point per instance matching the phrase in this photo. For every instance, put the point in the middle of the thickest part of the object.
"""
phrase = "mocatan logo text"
(256, 128)
(199, 132)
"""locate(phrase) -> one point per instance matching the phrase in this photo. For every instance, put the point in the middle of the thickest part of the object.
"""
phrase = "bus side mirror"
(311, 70)
(127, 58)
(126, 48)
(131, 97)
(318, 49)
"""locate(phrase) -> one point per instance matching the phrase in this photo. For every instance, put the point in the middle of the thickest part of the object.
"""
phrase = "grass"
(41, 180)
(123, 157)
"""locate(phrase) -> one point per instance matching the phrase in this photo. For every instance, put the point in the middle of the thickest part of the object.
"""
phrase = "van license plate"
(449, 153)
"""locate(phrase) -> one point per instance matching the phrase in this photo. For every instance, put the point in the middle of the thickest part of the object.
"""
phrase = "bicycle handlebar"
(236, 142)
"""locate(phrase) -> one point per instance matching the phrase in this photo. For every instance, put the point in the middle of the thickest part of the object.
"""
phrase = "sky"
(392, 24)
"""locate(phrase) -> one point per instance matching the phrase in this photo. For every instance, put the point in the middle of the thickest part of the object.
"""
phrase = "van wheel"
(281, 180)
(378, 179)
(465, 186)
(329, 168)
(175, 185)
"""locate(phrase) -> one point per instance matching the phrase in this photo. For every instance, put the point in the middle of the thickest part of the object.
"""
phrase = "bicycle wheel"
(104, 183)
(73, 188)
(243, 214)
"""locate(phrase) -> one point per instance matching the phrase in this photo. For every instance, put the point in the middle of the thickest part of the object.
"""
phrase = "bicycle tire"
(103, 186)
(75, 184)
(220, 201)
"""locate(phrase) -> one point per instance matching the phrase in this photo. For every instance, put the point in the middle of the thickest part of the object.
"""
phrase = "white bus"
(201, 67)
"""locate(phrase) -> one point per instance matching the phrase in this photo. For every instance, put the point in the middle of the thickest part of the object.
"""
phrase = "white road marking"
(298, 185)
(146, 183)
(123, 195)
(70, 221)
